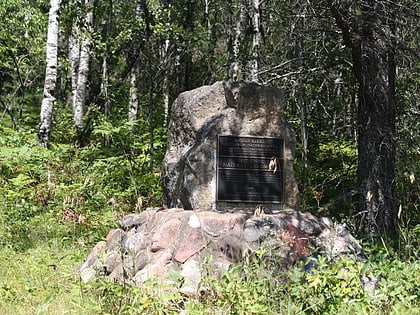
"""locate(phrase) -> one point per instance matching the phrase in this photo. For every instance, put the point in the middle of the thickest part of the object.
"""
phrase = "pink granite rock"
(297, 240)
(114, 239)
(193, 242)
(165, 235)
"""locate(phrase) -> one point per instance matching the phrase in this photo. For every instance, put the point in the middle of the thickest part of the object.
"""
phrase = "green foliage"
(329, 178)
(242, 290)
(409, 242)
(22, 60)
(329, 287)
(41, 281)
(336, 287)
(22, 166)
(333, 287)
(40, 185)
(399, 288)
(149, 298)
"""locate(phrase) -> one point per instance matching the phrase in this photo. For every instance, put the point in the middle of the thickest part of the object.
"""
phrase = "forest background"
(85, 95)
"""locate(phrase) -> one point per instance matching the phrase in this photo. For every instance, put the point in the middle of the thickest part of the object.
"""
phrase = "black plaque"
(250, 169)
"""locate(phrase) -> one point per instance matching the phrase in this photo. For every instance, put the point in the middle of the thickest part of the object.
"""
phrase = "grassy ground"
(42, 280)
(38, 266)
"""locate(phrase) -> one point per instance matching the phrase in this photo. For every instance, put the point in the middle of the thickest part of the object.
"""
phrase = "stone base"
(156, 242)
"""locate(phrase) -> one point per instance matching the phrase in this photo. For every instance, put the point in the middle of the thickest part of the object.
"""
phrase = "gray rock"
(253, 231)
(115, 239)
(111, 260)
(135, 243)
(198, 117)
(134, 219)
(232, 247)
(337, 240)
(95, 255)
(117, 275)
(192, 276)
(216, 224)
(141, 260)
(87, 274)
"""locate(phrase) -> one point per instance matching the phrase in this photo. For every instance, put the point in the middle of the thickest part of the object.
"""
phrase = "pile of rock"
(163, 243)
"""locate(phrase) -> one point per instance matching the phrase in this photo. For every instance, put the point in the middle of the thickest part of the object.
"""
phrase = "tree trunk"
(79, 97)
(187, 57)
(104, 88)
(133, 105)
(376, 120)
(371, 38)
(167, 67)
(133, 102)
(256, 40)
(229, 37)
(74, 57)
(240, 19)
(301, 104)
(50, 75)
(166, 87)
(105, 60)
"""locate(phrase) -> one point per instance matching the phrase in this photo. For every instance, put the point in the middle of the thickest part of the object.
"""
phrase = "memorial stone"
(230, 152)
(230, 149)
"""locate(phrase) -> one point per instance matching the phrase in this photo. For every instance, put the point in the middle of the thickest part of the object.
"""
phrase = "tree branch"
(351, 33)
(342, 18)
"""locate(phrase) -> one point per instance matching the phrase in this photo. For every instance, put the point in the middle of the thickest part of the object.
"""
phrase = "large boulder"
(197, 118)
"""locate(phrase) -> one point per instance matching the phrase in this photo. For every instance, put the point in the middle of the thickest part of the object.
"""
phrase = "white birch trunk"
(133, 102)
(104, 88)
(166, 83)
(166, 61)
(133, 106)
(208, 22)
(79, 97)
(256, 39)
(50, 75)
(74, 57)
(240, 18)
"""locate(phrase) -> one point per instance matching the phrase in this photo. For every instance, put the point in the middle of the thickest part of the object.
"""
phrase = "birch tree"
(133, 101)
(256, 39)
(166, 65)
(80, 89)
(235, 73)
(50, 75)
(74, 58)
